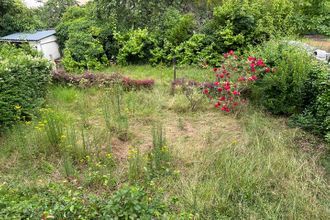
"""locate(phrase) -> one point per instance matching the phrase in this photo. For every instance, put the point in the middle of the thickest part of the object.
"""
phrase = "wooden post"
(174, 68)
(174, 77)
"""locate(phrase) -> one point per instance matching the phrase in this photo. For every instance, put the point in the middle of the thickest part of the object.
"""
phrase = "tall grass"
(263, 177)
(116, 119)
(66, 95)
(52, 123)
(159, 156)
(136, 165)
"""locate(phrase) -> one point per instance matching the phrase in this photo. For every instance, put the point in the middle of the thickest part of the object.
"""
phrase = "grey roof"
(34, 36)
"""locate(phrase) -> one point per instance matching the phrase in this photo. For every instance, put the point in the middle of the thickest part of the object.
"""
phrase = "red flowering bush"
(232, 78)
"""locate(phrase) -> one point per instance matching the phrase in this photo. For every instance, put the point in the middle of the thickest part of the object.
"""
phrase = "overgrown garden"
(242, 132)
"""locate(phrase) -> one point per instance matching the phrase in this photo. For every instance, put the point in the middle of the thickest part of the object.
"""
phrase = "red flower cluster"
(230, 53)
(227, 92)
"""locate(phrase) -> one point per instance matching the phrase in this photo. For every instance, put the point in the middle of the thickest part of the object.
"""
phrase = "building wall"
(50, 50)
(48, 47)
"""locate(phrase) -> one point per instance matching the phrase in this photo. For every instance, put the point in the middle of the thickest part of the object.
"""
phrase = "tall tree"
(15, 16)
(53, 11)
(133, 13)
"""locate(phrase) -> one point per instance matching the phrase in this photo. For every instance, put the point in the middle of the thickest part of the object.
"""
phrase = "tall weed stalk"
(159, 156)
(115, 118)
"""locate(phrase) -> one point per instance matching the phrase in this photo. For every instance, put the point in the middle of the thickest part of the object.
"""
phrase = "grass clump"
(159, 156)
(115, 118)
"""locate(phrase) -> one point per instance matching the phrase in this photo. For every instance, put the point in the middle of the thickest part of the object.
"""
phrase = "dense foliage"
(78, 35)
(316, 116)
(286, 91)
(24, 78)
(53, 10)
(15, 16)
(300, 86)
(60, 202)
(134, 46)
(159, 31)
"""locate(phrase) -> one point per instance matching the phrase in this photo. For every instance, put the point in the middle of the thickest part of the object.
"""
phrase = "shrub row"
(90, 79)
(234, 25)
(23, 84)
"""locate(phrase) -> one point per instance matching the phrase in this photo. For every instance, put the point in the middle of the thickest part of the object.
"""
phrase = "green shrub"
(133, 203)
(239, 23)
(135, 46)
(300, 87)
(316, 116)
(83, 52)
(167, 29)
(23, 84)
(285, 91)
(62, 202)
(162, 53)
(313, 16)
(197, 50)
(53, 201)
(67, 23)
(78, 35)
(176, 27)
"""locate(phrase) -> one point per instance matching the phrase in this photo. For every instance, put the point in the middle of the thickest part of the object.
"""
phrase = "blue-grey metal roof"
(34, 36)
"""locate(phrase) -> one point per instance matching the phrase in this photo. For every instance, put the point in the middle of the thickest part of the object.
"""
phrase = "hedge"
(23, 84)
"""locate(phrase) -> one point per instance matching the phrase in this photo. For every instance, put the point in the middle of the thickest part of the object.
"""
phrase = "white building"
(42, 41)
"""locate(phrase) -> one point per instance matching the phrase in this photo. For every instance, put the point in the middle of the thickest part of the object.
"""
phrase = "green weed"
(136, 164)
(159, 156)
(115, 118)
